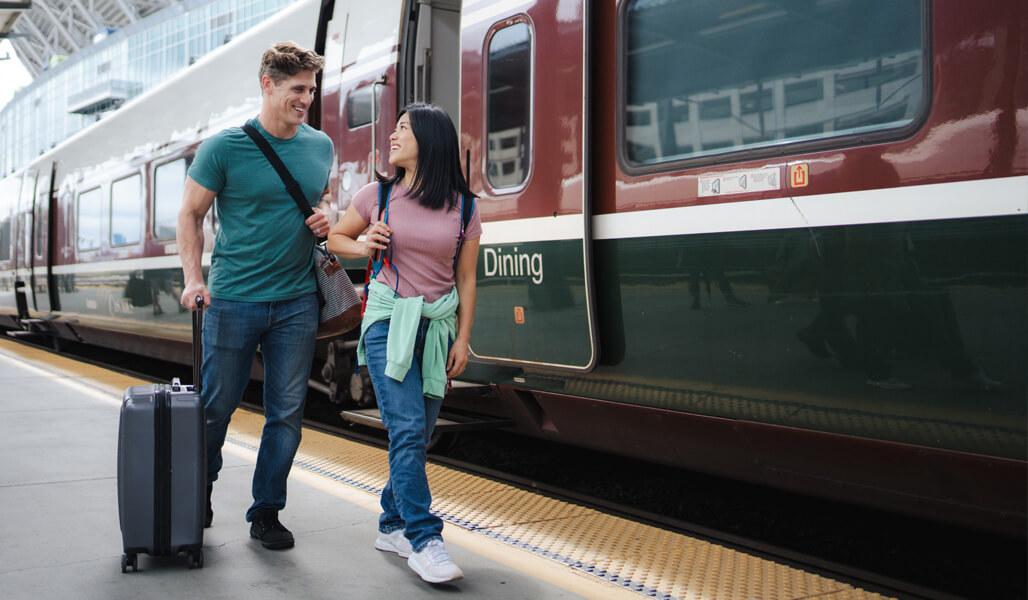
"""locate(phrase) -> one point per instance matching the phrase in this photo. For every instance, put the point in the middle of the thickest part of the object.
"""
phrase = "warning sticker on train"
(741, 182)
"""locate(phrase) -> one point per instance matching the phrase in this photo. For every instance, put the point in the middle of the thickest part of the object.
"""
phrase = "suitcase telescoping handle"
(197, 342)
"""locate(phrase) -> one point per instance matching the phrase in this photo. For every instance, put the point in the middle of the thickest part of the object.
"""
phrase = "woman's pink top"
(424, 241)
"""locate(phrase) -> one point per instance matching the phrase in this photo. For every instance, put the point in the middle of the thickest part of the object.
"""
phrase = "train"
(781, 241)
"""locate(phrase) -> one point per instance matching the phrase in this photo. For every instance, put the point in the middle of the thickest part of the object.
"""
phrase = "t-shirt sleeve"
(366, 201)
(330, 155)
(474, 228)
(208, 168)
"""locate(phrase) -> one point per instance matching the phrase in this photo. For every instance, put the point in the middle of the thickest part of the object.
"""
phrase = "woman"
(417, 325)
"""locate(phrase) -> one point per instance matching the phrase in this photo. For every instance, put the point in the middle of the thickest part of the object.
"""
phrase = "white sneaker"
(434, 564)
(393, 542)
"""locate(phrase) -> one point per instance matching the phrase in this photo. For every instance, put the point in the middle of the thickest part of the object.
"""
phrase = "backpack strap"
(383, 197)
(376, 261)
(467, 208)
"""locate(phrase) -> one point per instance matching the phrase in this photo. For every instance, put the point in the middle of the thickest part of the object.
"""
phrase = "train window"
(8, 198)
(169, 184)
(126, 211)
(88, 219)
(39, 232)
(358, 107)
(5, 239)
(754, 75)
(509, 106)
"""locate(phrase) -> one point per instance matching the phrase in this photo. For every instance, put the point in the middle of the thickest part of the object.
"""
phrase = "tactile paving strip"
(653, 562)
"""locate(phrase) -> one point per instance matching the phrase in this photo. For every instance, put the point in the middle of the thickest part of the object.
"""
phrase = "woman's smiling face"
(403, 146)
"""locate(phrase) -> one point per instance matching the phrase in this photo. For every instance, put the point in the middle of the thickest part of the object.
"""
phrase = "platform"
(60, 536)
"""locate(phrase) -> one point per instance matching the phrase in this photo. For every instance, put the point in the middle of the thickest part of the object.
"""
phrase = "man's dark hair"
(439, 179)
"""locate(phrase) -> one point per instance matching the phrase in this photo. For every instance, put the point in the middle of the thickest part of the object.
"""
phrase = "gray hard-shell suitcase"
(162, 467)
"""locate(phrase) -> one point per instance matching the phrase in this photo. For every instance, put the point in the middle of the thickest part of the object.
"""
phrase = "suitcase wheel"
(196, 559)
(129, 560)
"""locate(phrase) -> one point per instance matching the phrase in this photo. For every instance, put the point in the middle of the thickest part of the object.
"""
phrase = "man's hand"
(193, 290)
(318, 223)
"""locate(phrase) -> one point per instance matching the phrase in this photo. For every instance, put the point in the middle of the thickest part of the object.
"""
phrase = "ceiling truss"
(45, 29)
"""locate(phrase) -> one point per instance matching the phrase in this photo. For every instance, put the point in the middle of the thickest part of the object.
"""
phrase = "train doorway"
(505, 74)
(524, 125)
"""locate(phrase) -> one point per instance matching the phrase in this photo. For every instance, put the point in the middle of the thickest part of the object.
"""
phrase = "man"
(262, 286)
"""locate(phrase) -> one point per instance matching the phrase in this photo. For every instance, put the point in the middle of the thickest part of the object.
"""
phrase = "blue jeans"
(409, 418)
(286, 333)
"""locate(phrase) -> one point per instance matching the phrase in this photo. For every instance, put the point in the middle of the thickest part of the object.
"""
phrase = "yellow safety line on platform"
(574, 547)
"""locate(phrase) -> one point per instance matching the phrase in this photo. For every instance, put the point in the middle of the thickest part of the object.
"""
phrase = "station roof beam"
(42, 30)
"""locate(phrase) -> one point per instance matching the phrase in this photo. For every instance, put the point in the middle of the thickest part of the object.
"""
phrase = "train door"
(9, 189)
(40, 256)
(524, 126)
(24, 294)
(430, 56)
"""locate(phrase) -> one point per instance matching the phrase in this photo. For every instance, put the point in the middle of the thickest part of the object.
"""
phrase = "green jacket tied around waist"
(404, 315)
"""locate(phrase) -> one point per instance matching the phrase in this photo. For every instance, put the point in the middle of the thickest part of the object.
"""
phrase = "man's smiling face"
(290, 98)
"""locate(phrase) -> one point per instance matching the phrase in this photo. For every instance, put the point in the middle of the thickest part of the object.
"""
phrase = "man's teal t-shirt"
(264, 249)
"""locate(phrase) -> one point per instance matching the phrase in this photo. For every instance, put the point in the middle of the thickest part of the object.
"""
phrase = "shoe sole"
(433, 579)
(387, 547)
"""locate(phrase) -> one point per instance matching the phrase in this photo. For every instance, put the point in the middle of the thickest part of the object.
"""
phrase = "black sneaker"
(267, 528)
(210, 510)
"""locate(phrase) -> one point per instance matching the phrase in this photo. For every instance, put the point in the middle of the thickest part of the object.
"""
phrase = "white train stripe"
(965, 199)
(957, 200)
(171, 261)
(733, 216)
(564, 227)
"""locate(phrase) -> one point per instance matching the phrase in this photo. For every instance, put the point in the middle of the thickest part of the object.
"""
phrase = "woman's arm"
(467, 275)
(342, 238)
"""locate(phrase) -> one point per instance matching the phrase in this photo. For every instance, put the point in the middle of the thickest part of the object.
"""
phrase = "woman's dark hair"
(439, 179)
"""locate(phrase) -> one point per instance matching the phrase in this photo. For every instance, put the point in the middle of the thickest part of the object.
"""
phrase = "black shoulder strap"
(468, 207)
(291, 185)
(383, 196)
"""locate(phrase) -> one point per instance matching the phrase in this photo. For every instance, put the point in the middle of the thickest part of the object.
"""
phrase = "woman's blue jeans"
(409, 418)
(286, 333)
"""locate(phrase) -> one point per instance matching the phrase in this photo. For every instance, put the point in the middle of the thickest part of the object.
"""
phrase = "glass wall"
(141, 56)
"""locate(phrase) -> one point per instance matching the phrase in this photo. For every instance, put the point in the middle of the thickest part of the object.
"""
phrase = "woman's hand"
(458, 359)
(376, 238)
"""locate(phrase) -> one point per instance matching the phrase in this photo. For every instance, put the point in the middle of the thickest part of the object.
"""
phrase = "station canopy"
(44, 32)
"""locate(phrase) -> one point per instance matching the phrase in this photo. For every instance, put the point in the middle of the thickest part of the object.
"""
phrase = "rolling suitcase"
(162, 467)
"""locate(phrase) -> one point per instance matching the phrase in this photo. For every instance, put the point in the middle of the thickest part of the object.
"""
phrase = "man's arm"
(196, 201)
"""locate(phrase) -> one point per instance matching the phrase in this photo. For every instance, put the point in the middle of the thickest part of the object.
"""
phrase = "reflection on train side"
(906, 331)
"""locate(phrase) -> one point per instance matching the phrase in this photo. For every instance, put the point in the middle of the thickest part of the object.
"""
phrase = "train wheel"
(336, 370)
(361, 390)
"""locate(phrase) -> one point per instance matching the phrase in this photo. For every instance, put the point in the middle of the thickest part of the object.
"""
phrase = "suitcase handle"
(197, 343)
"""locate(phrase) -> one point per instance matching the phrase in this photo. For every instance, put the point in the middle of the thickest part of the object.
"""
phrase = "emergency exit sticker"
(799, 175)
(740, 182)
